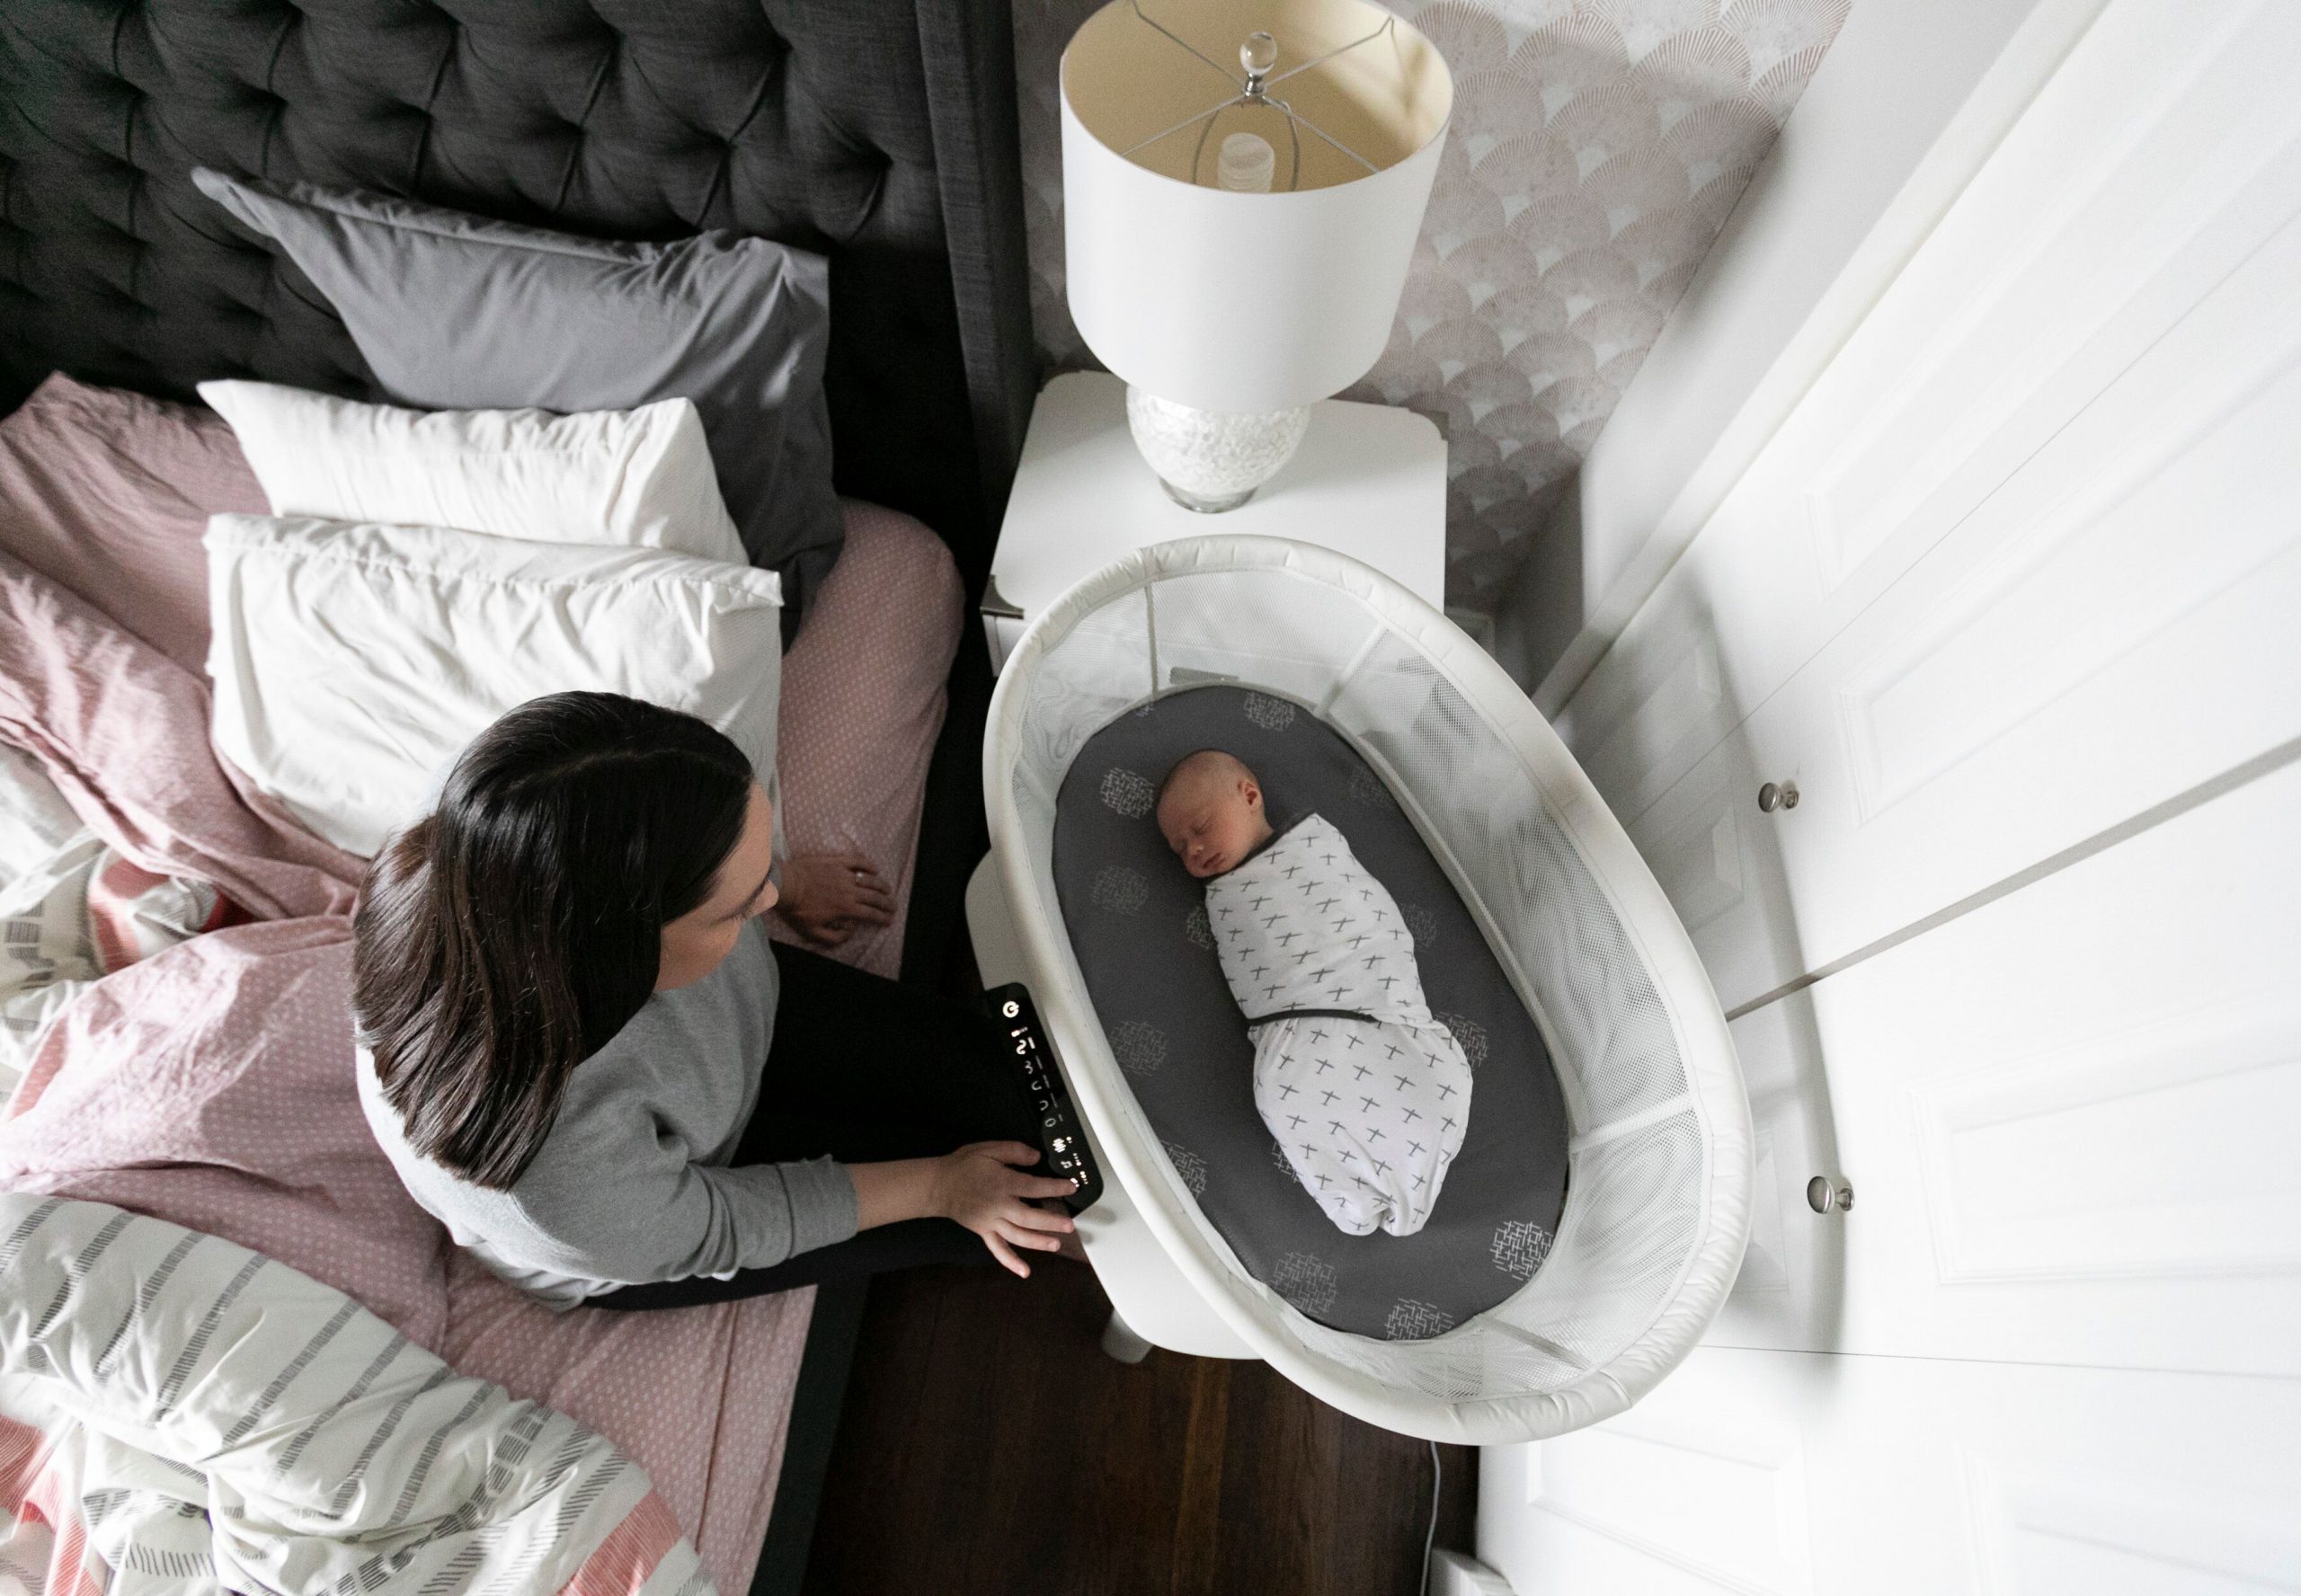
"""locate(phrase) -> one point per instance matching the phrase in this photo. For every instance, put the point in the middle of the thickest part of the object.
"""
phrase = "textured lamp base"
(1209, 460)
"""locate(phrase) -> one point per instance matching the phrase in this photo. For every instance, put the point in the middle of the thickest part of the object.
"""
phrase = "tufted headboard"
(879, 132)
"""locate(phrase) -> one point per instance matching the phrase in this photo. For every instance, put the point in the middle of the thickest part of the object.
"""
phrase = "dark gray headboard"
(880, 132)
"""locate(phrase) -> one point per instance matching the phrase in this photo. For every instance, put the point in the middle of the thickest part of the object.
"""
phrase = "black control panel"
(1063, 1141)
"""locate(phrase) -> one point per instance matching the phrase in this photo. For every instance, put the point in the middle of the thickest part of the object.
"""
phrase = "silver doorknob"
(1776, 795)
(1824, 1195)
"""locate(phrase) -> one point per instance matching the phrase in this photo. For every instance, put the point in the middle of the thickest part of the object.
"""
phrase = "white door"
(2014, 601)
(2055, 1344)
(2021, 566)
(1809, 1474)
(2068, 1118)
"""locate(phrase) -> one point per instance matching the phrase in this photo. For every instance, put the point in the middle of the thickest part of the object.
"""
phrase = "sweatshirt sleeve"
(661, 1217)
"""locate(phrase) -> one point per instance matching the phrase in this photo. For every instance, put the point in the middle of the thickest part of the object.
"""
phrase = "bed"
(879, 134)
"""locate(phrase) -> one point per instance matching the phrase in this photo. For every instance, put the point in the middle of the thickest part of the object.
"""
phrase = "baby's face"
(1213, 824)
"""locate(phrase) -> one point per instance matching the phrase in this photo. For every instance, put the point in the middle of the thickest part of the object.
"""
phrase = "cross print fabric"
(1370, 1112)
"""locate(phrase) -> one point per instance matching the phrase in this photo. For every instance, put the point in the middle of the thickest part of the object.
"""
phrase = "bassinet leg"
(1123, 1344)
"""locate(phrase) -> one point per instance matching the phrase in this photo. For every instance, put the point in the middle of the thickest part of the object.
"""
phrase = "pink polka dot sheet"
(863, 702)
(211, 1084)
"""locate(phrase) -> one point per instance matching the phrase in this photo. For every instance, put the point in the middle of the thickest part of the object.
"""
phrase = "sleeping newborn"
(1365, 1091)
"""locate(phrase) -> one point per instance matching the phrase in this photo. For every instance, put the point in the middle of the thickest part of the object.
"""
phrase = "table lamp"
(1242, 185)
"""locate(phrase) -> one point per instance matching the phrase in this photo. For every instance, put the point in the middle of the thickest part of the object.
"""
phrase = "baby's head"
(1209, 811)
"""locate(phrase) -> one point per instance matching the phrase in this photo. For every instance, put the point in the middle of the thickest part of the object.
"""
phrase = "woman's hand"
(983, 1187)
(826, 896)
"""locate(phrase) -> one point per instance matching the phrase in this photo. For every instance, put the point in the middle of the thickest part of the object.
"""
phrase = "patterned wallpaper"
(1597, 147)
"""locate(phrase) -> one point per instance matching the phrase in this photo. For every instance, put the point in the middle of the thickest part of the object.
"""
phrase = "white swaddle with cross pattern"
(1365, 1091)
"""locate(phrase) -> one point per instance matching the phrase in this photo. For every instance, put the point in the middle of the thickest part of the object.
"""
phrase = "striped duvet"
(180, 1415)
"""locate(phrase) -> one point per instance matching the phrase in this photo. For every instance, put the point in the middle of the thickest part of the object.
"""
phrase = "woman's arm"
(983, 1186)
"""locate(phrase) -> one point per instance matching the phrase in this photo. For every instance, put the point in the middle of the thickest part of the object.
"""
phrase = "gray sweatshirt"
(632, 1183)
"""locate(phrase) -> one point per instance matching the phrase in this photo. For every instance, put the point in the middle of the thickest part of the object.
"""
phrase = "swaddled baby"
(1365, 1091)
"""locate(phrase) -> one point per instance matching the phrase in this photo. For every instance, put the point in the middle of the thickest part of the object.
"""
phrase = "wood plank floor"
(988, 1446)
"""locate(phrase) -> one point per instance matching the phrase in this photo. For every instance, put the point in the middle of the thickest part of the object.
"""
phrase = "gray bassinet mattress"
(1139, 927)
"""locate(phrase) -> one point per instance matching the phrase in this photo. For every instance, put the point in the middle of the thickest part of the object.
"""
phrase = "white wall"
(1873, 153)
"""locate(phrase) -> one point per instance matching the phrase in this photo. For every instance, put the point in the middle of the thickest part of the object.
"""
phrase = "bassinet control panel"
(1063, 1142)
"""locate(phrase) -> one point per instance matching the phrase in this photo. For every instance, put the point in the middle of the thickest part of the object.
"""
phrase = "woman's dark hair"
(508, 935)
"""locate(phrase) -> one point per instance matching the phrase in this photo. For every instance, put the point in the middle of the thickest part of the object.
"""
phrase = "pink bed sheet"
(211, 1084)
(107, 492)
(863, 699)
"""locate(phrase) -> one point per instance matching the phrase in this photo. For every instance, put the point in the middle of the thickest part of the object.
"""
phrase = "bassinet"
(1657, 1209)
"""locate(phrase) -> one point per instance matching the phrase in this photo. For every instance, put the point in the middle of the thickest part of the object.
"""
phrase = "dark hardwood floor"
(987, 1445)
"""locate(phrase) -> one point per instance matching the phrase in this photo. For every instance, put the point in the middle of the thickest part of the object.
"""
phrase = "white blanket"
(180, 1415)
(1366, 1094)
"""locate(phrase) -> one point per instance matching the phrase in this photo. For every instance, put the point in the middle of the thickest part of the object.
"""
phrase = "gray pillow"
(457, 312)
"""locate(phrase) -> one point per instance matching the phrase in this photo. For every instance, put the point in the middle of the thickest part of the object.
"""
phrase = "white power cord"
(1430, 1537)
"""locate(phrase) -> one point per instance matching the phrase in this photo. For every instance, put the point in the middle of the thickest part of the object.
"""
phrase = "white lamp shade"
(1244, 302)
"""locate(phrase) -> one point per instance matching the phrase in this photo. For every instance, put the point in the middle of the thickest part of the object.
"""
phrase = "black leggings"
(865, 1070)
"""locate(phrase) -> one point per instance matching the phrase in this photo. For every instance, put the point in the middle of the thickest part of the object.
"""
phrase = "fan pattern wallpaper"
(1595, 150)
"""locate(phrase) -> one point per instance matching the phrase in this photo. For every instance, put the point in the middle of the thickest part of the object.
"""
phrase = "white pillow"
(353, 662)
(639, 477)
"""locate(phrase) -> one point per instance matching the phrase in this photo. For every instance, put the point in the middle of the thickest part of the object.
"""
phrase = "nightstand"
(1369, 481)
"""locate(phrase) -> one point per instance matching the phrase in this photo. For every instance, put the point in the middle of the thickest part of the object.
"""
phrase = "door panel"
(2161, 158)
(1719, 859)
(2113, 629)
(2109, 630)
(2067, 1117)
(1793, 1473)
(1707, 1486)
(1790, 1294)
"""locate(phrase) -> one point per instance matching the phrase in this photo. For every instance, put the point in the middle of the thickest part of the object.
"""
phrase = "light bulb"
(1246, 163)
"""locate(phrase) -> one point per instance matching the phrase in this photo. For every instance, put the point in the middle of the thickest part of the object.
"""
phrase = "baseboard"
(1452, 1573)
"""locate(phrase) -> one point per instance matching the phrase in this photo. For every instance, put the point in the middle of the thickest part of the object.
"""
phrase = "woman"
(582, 1054)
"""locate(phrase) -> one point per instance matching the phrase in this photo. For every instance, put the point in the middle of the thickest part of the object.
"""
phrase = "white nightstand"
(1369, 481)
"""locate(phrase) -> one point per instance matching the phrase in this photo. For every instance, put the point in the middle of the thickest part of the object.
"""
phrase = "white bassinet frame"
(1629, 1284)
